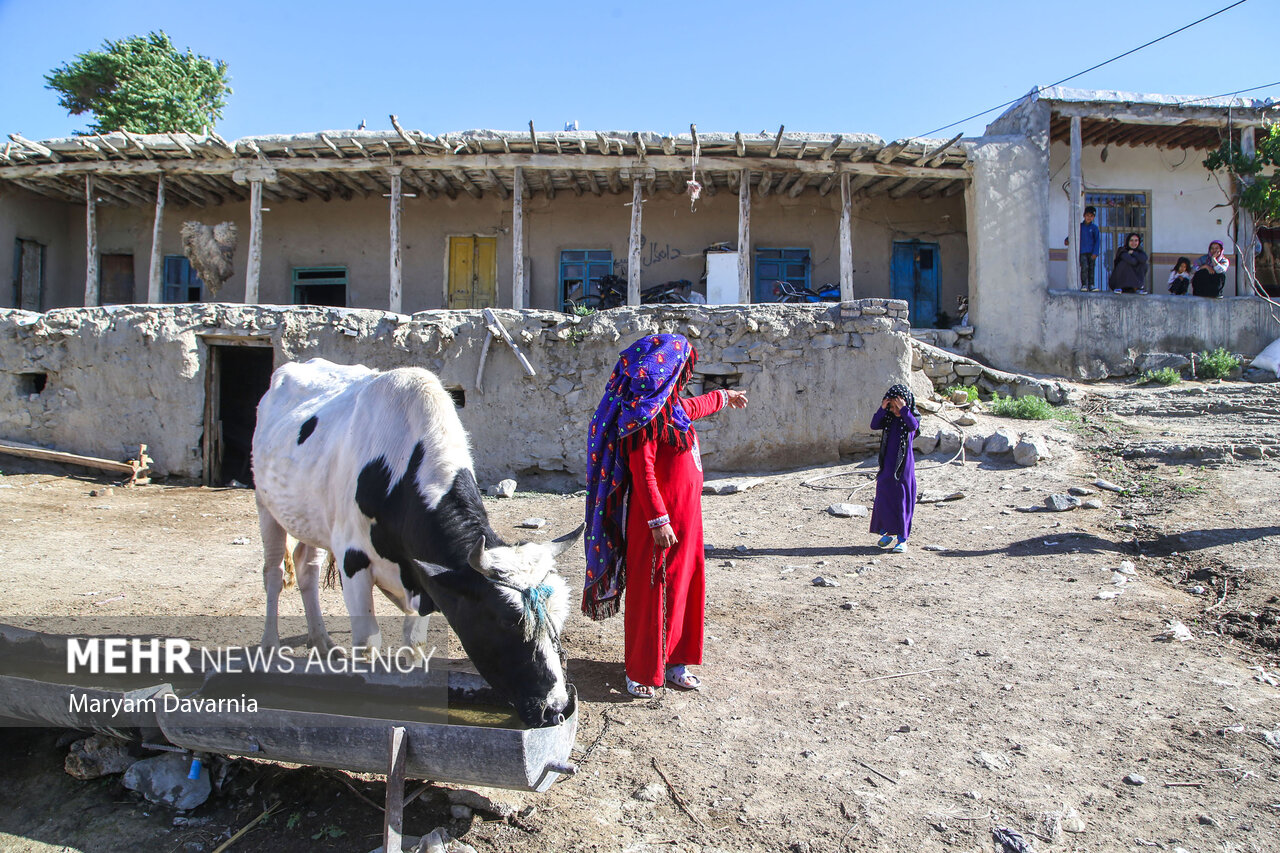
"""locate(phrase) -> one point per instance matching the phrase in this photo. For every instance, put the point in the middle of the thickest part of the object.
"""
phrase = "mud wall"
(99, 381)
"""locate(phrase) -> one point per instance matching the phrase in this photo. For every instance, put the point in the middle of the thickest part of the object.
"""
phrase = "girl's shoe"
(885, 540)
(900, 548)
(641, 691)
(678, 676)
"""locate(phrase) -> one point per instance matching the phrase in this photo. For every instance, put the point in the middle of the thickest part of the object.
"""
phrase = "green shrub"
(1216, 364)
(1163, 376)
(1029, 408)
(970, 391)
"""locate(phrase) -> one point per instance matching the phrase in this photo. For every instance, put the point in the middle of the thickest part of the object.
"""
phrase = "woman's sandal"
(641, 691)
(678, 676)
(885, 540)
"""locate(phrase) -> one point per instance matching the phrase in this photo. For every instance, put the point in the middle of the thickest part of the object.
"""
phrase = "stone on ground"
(163, 780)
(1031, 450)
(848, 510)
(98, 755)
(503, 489)
(1003, 440)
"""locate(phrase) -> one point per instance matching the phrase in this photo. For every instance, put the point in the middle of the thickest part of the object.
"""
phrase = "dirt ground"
(922, 702)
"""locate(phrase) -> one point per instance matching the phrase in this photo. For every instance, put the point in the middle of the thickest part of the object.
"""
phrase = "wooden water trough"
(453, 726)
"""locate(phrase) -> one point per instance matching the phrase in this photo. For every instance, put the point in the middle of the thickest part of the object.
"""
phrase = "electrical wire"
(1091, 68)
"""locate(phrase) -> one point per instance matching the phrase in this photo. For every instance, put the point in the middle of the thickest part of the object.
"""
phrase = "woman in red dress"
(644, 511)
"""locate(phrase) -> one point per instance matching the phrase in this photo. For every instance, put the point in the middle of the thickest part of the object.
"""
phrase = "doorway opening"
(238, 375)
(115, 280)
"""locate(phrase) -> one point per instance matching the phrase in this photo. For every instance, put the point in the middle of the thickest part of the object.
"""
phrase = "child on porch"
(895, 503)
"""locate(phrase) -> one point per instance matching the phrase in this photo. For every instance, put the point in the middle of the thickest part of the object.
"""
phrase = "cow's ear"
(567, 541)
(479, 560)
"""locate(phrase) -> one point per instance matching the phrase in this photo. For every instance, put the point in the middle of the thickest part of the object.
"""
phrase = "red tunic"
(666, 486)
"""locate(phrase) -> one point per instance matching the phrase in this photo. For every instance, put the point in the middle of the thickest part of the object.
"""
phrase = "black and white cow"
(375, 468)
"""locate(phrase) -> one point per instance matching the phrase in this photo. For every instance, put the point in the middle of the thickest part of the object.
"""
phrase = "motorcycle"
(671, 293)
(613, 293)
(785, 291)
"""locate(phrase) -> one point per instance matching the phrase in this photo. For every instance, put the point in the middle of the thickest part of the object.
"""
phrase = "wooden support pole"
(846, 239)
(395, 300)
(393, 814)
(1246, 240)
(91, 296)
(517, 241)
(155, 277)
(253, 272)
(1075, 185)
(744, 237)
(633, 245)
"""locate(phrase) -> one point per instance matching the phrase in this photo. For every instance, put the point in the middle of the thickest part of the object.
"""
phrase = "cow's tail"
(331, 572)
(290, 577)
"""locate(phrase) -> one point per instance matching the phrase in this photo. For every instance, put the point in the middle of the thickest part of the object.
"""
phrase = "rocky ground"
(1008, 673)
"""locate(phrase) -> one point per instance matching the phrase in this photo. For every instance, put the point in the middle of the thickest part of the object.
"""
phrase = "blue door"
(915, 279)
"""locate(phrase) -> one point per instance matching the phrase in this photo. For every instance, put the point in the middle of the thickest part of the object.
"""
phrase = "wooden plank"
(155, 275)
(744, 237)
(91, 296)
(517, 243)
(393, 813)
(253, 270)
(496, 328)
(846, 240)
(30, 451)
(633, 246)
(394, 299)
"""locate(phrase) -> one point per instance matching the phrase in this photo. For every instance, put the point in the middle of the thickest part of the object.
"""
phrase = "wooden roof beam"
(739, 144)
(640, 146)
(496, 180)
(138, 143)
(831, 150)
(905, 187)
(615, 183)
(533, 136)
(410, 141)
(548, 186)
(777, 142)
(332, 146)
(678, 182)
(312, 186)
(54, 191)
(222, 145)
(939, 153)
(825, 187)
(593, 184)
(766, 180)
(189, 185)
(798, 186)
(36, 147)
(889, 152)
(668, 145)
(442, 184)
(467, 184)
(418, 185)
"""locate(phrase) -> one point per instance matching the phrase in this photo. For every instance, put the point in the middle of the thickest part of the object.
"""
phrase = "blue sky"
(892, 69)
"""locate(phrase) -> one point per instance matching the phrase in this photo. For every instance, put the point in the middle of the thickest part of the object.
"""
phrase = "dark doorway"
(238, 377)
(115, 278)
(28, 275)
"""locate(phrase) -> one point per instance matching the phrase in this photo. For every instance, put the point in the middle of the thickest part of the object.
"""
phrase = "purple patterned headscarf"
(638, 401)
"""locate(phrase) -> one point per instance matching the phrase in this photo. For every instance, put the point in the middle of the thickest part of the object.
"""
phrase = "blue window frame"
(789, 265)
(580, 274)
(181, 284)
(320, 286)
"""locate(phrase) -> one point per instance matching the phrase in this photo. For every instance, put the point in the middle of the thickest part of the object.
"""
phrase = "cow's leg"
(273, 549)
(309, 563)
(415, 637)
(357, 592)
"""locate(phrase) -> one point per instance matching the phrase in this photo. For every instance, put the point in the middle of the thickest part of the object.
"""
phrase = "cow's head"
(508, 611)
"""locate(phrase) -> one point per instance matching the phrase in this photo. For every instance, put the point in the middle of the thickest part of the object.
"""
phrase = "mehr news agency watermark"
(123, 656)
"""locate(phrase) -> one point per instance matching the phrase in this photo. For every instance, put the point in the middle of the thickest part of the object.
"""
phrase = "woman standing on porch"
(644, 511)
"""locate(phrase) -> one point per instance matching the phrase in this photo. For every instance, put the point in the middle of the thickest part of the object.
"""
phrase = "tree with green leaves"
(1253, 191)
(143, 84)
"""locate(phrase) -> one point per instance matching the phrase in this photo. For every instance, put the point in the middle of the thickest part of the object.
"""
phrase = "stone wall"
(118, 376)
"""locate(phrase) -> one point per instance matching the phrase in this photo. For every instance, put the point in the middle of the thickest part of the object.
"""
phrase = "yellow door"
(473, 272)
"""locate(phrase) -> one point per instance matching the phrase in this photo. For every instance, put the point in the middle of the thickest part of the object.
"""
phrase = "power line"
(1225, 94)
(1091, 68)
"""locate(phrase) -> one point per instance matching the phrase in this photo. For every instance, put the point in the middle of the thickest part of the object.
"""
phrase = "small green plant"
(1029, 408)
(970, 391)
(1216, 364)
(329, 832)
(1163, 376)
(293, 821)
(583, 310)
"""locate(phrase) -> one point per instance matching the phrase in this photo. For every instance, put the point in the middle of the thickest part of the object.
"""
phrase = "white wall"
(1182, 217)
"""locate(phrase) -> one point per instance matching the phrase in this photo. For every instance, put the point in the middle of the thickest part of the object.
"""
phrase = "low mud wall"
(99, 381)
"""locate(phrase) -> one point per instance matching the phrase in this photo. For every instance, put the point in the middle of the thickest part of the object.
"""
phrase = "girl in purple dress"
(898, 421)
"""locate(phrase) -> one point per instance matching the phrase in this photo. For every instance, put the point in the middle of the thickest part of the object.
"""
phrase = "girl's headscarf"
(903, 393)
(639, 403)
